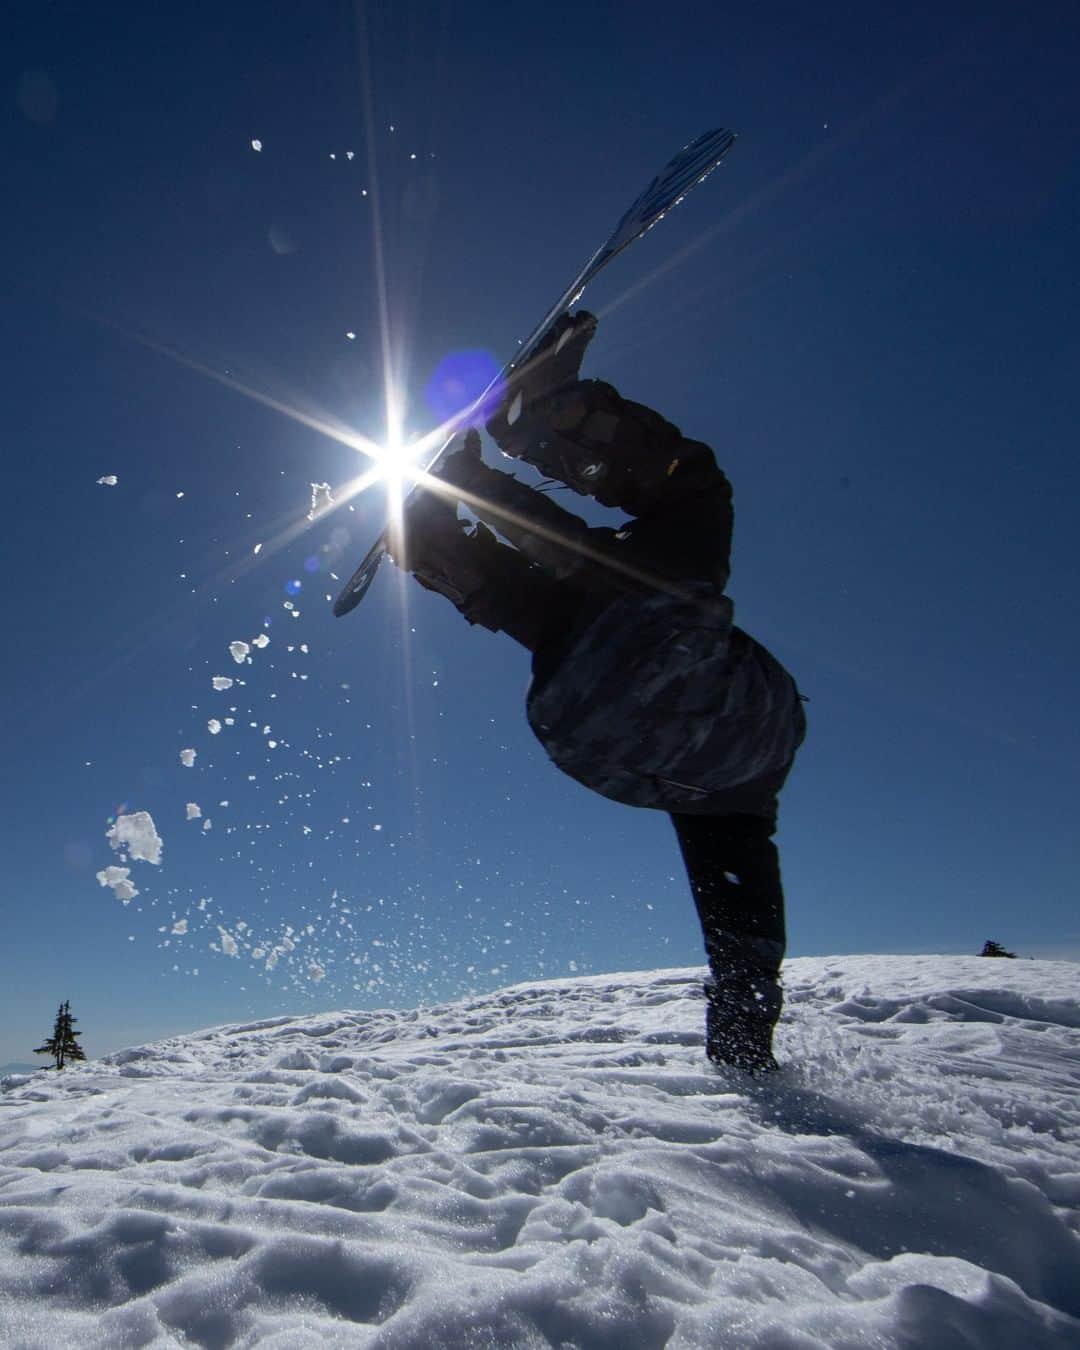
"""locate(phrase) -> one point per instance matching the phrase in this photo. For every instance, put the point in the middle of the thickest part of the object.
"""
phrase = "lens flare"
(460, 380)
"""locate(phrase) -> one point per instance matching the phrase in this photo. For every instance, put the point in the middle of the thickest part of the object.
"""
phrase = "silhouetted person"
(643, 688)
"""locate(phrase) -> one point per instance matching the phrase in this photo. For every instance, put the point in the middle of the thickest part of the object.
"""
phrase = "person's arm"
(543, 530)
(686, 529)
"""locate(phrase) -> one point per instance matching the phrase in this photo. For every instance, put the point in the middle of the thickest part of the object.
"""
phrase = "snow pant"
(734, 873)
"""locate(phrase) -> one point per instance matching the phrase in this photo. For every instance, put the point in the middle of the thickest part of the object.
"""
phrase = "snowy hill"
(554, 1165)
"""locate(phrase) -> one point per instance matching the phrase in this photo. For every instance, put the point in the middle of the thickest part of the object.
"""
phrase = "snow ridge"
(556, 1165)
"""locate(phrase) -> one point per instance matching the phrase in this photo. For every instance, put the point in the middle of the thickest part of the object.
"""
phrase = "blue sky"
(868, 311)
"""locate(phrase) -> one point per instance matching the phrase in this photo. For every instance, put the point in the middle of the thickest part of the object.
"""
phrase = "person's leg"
(734, 874)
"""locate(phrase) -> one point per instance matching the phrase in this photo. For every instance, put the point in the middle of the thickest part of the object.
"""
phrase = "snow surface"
(555, 1165)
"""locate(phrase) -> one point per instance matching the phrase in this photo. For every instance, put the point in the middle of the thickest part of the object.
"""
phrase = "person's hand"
(464, 466)
(553, 367)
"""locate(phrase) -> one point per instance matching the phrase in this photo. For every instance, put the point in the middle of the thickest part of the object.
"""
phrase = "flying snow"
(193, 811)
(321, 499)
(261, 641)
(187, 758)
(108, 480)
(136, 834)
(213, 726)
(239, 652)
(118, 878)
(256, 146)
(221, 682)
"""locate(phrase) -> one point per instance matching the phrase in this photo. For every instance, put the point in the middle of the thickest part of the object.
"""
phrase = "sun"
(395, 455)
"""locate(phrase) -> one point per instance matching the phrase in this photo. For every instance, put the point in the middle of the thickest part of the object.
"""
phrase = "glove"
(464, 467)
(553, 366)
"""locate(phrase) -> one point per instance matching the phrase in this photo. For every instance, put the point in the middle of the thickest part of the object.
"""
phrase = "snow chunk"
(256, 145)
(118, 879)
(108, 480)
(315, 972)
(222, 682)
(213, 726)
(261, 641)
(193, 811)
(136, 834)
(228, 943)
(207, 824)
(321, 499)
(239, 652)
(187, 758)
(179, 927)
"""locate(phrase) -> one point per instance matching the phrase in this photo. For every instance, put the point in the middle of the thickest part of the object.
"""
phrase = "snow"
(239, 652)
(136, 834)
(192, 811)
(213, 726)
(118, 879)
(321, 499)
(108, 480)
(222, 682)
(187, 758)
(556, 1165)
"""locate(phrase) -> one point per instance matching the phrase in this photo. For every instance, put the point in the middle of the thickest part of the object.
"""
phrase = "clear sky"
(869, 311)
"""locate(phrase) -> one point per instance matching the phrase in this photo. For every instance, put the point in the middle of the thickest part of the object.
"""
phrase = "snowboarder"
(643, 688)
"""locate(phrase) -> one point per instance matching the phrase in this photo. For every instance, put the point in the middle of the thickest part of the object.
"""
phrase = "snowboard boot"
(739, 1025)
(489, 583)
(744, 999)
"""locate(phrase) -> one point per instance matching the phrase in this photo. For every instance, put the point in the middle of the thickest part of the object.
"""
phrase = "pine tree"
(995, 949)
(63, 1044)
